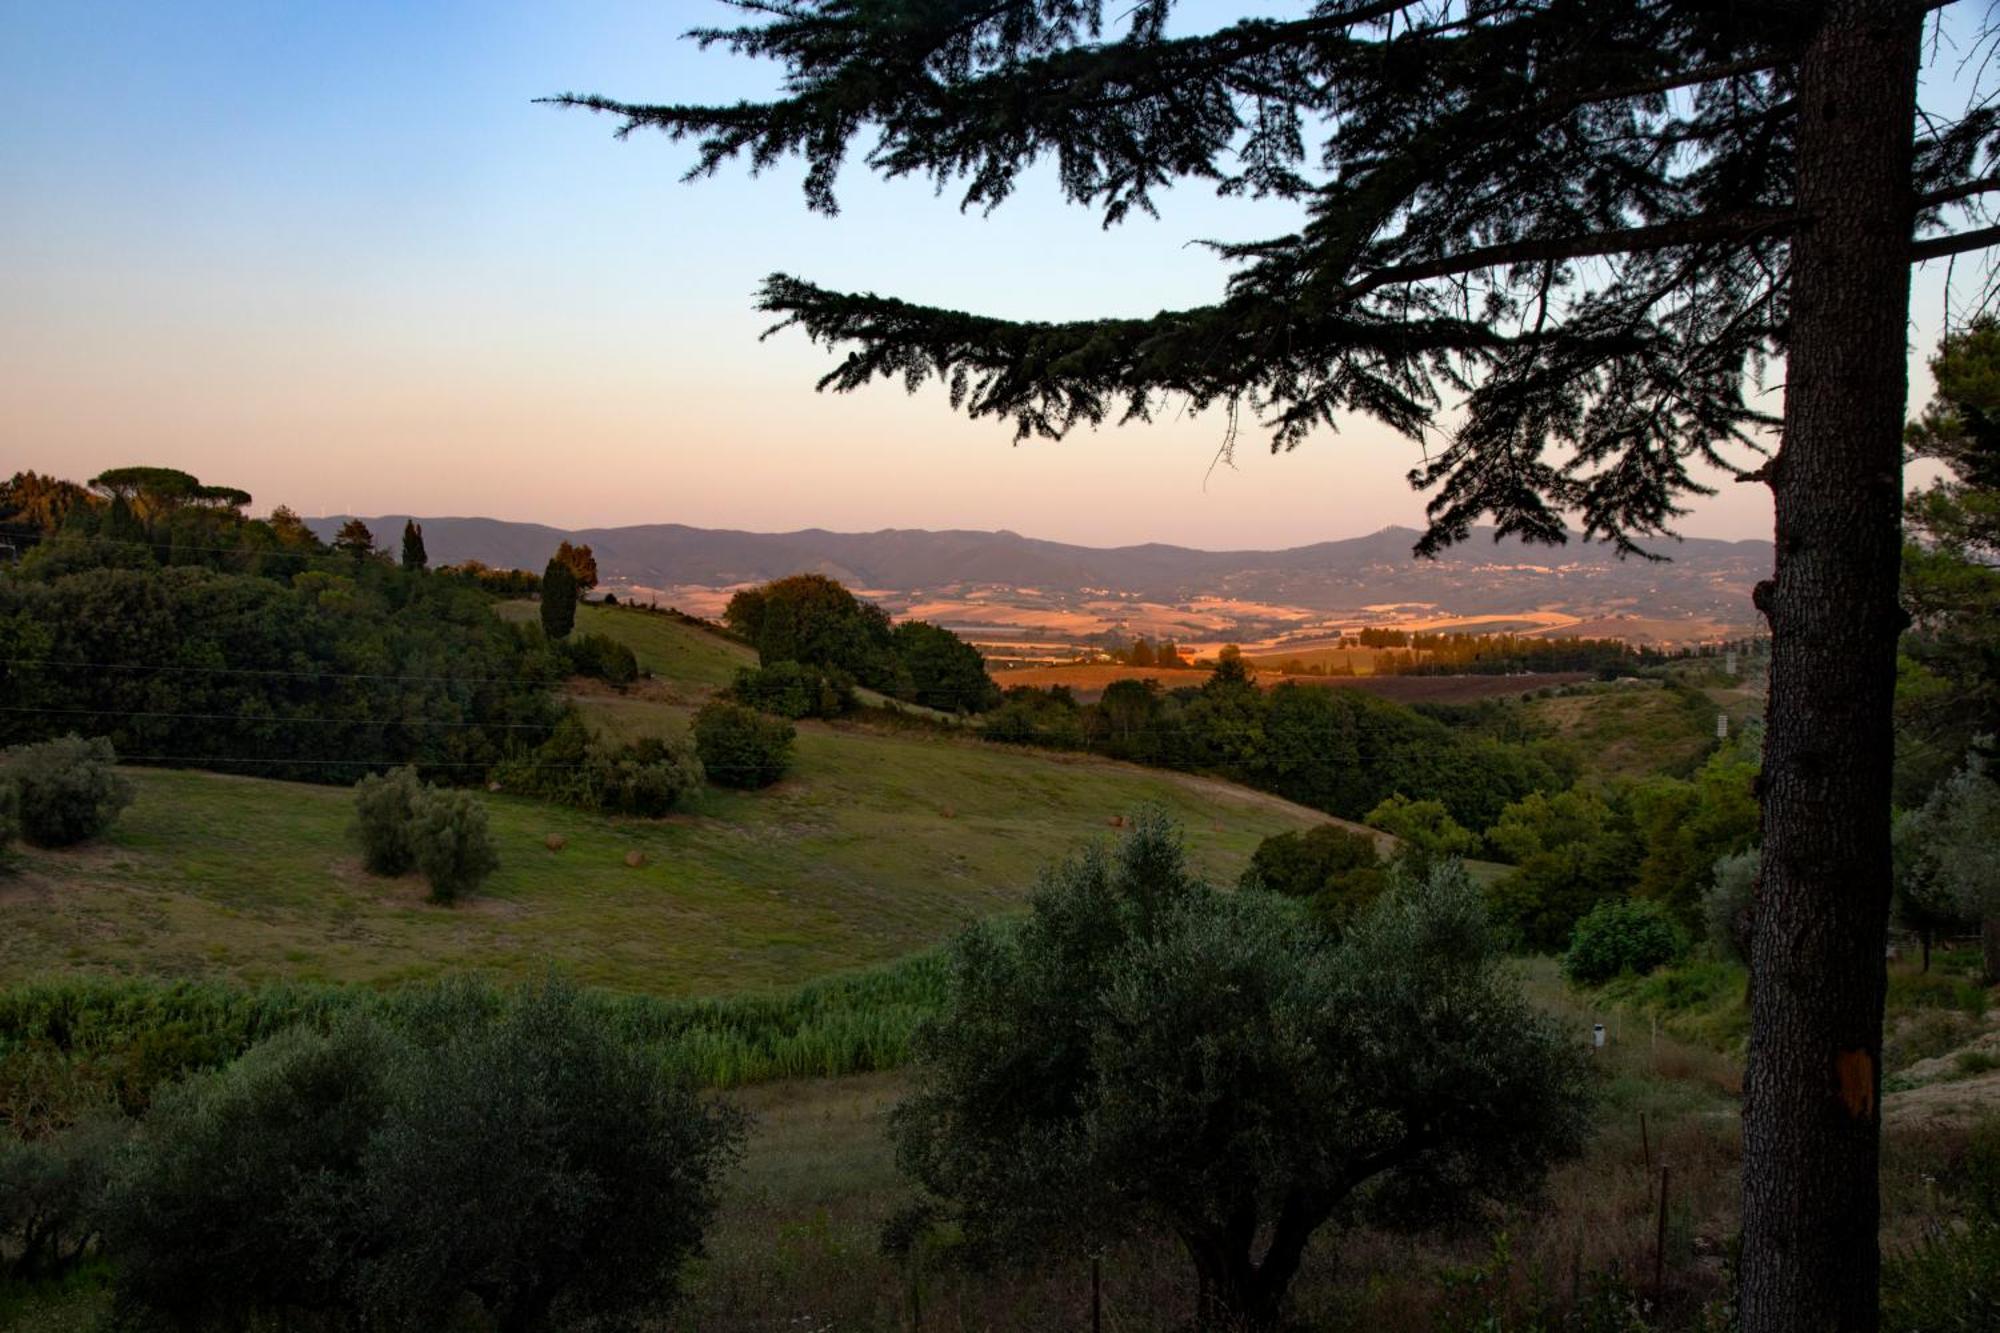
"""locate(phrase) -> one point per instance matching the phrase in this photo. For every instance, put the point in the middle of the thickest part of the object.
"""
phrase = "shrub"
(1622, 935)
(1299, 864)
(1727, 906)
(450, 841)
(384, 805)
(643, 777)
(51, 1197)
(794, 690)
(66, 790)
(1336, 870)
(601, 657)
(238, 1200)
(537, 1163)
(740, 747)
(647, 777)
(512, 1152)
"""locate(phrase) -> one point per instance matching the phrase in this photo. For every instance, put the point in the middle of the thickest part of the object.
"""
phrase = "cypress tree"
(413, 546)
(1591, 223)
(558, 600)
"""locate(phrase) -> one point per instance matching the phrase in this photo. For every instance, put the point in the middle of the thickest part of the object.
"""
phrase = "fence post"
(1660, 1242)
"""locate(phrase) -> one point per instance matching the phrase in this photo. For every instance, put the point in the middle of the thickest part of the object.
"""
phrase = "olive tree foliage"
(384, 807)
(451, 843)
(406, 824)
(1952, 853)
(1145, 1052)
(64, 791)
(503, 1156)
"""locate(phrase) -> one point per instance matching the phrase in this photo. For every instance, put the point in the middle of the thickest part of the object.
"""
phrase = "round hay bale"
(555, 842)
(635, 858)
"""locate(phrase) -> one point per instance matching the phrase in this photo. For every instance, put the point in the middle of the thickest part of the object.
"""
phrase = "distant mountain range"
(1704, 579)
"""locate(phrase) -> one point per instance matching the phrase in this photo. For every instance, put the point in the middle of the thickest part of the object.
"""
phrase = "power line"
(274, 717)
(50, 664)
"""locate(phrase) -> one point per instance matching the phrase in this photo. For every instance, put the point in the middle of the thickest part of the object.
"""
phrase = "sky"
(335, 255)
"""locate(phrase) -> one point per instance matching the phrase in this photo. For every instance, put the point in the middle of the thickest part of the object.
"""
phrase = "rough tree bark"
(1811, 1132)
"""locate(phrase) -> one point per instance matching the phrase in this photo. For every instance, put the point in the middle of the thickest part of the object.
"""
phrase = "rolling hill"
(878, 843)
(1705, 581)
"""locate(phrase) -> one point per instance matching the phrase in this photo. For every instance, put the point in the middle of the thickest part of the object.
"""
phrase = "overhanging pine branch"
(1559, 249)
(1939, 247)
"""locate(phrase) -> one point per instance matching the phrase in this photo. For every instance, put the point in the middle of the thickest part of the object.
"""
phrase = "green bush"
(239, 1201)
(1726, 905)
(511, 1154)
(451, 843)
(1299, 864)
(601, 657)
(795, 690)
(646, 777)
(51, 1197)
(643, 777)
(1622, 935)
(384, 805)
(66, 790)
(740, 747)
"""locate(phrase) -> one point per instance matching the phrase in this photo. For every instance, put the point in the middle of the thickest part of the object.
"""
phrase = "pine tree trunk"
(1811, 1132)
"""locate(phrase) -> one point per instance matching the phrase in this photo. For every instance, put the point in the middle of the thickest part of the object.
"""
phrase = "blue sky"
(335, 254)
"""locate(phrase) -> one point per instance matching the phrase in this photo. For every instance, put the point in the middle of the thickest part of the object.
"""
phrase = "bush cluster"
(52, 1195)
(646, 777)
(405, 823)
(61, 792)
(1337, 871)
(601, 657)
(741, 747)
(1622, 935)
(795, 690)
(505, 1158)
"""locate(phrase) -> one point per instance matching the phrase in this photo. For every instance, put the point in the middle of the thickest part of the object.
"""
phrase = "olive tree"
(1145, 1052)
(507, 1156)
(65, 791)
(1951, 863)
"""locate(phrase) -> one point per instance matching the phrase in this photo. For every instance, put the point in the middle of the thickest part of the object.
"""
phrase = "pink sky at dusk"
(338, 258)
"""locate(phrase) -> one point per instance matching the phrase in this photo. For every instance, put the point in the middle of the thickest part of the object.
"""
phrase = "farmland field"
(1088, 682)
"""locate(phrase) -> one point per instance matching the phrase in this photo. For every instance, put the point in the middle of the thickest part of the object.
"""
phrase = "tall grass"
(65, 1045)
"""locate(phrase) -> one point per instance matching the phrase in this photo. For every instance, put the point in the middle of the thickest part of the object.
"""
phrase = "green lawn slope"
(875, 846)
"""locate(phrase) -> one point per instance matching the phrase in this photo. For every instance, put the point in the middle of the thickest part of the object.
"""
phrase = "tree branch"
(1937, 247)
(1953, 193)
(1661, 236)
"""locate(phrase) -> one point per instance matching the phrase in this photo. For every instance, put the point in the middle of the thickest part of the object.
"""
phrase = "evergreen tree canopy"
(558, 599)
(355, 539)
(414, 556)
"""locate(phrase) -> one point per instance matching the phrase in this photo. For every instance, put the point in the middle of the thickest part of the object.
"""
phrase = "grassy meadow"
(875, 846)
